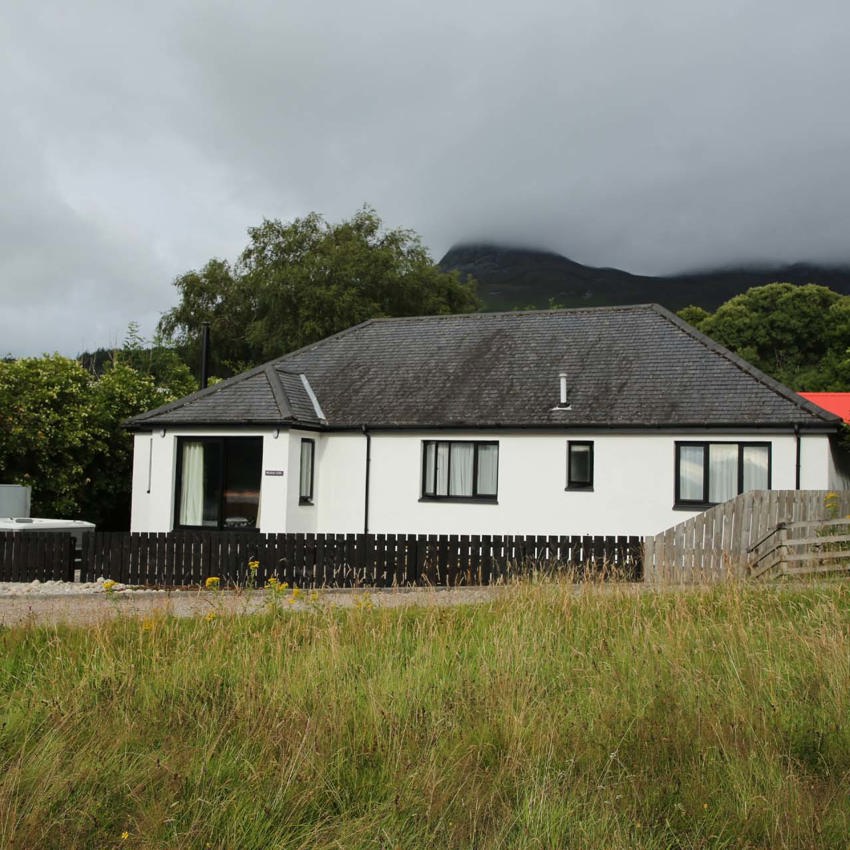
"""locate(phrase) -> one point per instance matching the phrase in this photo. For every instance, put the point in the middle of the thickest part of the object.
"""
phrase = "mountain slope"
(518, 277)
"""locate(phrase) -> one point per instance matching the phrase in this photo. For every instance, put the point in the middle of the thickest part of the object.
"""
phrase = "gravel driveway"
(75, 604)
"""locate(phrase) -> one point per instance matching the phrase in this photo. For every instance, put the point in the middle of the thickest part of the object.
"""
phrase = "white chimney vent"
(563, 401)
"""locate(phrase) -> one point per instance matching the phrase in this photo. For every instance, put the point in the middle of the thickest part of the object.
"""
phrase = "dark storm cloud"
(654, 136)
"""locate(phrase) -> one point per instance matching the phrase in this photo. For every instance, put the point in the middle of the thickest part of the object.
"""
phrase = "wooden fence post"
(781, 547)
(70, 559)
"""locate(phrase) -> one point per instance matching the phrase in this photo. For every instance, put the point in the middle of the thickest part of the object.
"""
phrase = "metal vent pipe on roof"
(205, 354)
(563, 380)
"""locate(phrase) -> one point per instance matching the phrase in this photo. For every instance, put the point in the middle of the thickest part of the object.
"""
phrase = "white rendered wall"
(815, 463)
(275, 489)
(839, 467)
(152, 507)
(304, 518)
(155, 475)
(633, 482)
(341, 483)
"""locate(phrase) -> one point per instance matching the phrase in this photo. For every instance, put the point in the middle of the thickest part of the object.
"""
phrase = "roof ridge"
(485, 314)
(278, 360)
(753, 371)
(278, 391)
(317, 408)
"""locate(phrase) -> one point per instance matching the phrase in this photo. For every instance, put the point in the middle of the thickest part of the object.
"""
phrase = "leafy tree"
(46, 430)
(298, 282)
(149, 357)
(798, 334)
(138, 377)
(160, 362)
(694, 315)
(60, 428)
(219, 295)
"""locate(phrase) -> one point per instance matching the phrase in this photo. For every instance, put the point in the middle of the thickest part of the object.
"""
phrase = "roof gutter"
(142, 427)
(772, 428)
(731, 427)
(798, 439)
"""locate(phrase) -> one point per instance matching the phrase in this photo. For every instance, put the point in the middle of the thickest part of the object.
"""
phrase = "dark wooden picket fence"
(46, 556)
(185, 558)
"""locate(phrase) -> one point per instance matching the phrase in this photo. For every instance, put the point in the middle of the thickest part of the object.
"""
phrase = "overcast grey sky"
(140, 140)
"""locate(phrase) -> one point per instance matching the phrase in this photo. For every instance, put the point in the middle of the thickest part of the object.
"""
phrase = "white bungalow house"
(621, 420)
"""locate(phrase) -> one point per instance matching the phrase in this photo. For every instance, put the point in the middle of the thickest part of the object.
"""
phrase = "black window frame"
(475, 496)
(579, 485)
(306, 499)
(222, 477)
(705, 446)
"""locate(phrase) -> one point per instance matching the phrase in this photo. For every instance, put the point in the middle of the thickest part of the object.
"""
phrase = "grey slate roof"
(626, 367)
(265, 395)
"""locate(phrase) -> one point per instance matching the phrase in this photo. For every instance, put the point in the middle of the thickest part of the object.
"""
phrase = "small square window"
(579, 465)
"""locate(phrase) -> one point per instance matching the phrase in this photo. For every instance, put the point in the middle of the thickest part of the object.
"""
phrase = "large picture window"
(709, 473)
(460, 469)
(218, 482)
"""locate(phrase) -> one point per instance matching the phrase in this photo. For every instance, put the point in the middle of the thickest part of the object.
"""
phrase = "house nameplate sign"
(274, 472)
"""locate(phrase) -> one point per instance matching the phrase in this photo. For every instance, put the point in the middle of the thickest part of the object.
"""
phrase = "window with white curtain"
(722, 472)
(708, 473)
(460, 469)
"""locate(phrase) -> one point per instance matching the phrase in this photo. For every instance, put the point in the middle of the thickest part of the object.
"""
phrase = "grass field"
(545, 719)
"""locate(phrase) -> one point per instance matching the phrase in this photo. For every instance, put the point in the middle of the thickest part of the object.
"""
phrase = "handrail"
(779, 527)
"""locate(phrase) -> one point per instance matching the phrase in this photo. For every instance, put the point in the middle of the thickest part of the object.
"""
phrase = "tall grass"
(545, 719)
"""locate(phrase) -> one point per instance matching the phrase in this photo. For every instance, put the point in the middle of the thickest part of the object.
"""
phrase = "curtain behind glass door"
(192, 484)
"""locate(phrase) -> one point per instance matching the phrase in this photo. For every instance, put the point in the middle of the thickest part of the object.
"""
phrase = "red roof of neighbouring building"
(837, 403)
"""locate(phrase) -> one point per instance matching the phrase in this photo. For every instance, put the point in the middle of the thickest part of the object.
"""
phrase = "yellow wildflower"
(108, 585)
(275, 585)
(210, 616)
(125, 835)
(212, 583)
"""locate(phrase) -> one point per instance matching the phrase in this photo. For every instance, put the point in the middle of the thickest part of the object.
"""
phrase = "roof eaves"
(720, 427)
(141, 418)
(206, 425)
